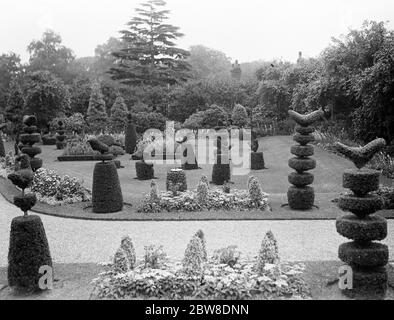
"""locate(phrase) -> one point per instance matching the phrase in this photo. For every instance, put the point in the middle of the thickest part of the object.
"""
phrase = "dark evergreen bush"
(221, 173)
(131, 136)
(301, 198)
(106, 193)
(28, 252)
(371, 255)
(257, 161)
(176, 177)
(373, 228)
(48, 140)
(60, 136)
(144, 170)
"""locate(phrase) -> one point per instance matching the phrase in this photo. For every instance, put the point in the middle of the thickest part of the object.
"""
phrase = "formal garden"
(194, 138)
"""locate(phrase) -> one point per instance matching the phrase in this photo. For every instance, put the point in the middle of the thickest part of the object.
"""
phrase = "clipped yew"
(365, 255)
(131, 136)
(28, 138)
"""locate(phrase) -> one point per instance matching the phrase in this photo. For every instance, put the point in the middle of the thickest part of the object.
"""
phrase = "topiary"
(28, 139)
(193, 260)
(97, 117)
(372, 228)
(121, 262)
(176, 177)
(154, 192)
(221, 173)
(128, 247)
(131, 136)
(257, 161)
(371, 255)
(301, 198)
(60, 136)
(2, 149)
(255, 191)
(202, 193)
(106, 192)
(118, 114)
(144, 170)
(269, 252)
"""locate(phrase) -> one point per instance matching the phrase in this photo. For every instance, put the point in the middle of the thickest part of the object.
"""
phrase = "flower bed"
(224, 276)
(217, 199)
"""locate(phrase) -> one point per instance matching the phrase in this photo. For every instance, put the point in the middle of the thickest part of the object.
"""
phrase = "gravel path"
(78, 241)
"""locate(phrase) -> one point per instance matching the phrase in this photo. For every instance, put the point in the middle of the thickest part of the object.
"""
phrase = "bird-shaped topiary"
(366, 257)
(301, 196)
(106, 192)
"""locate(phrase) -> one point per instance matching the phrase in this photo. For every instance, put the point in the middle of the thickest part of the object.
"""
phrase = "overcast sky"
(245, 30)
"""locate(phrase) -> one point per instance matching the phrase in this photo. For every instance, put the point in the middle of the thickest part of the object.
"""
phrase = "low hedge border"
(79, 158)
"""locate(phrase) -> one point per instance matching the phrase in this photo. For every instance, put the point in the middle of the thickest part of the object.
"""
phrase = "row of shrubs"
(224, 275)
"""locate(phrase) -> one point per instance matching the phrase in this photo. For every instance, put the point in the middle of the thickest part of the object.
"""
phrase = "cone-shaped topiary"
(27, 139)
(118, 114)
(300, 196)
(106, 192)
(194, 253)
(367, 258)
(128, 247)
(121, 262)
(97, 117)
(131, 136)
(176, 177)
(269, 252)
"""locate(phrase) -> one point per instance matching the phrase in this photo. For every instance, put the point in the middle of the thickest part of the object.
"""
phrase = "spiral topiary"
(300, 196)
(366, 257)
(60, 136)
(28, 249)
(28, 138)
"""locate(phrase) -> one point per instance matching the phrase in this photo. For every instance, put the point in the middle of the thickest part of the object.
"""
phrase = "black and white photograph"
(196, 158)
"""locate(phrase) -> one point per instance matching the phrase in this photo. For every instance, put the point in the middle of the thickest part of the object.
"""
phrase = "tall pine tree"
(97, 115)
(150, 56)
(119, 114)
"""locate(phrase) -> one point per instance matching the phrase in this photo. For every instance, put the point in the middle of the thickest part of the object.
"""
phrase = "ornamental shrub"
(202, 193)
(176, 177)
(154, 192)
(239, 116)
(121, 261)
(128, 247)
(269, 253)
(118, 114)
(154, 256)
(194, 256)
(131, 136)
(97, 117)
(229, 256)
(201, 235)
(255, 191)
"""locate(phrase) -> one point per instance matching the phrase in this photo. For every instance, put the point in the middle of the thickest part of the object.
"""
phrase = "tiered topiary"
(28, 249)
(256, 158)
(131, 136)
(28, 138)
(366, 257)
(60, 136)
(221, 171)
(301, 196)
(106, 192)
(176, 177)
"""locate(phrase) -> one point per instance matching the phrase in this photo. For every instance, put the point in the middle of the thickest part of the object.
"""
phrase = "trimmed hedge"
(361, 207)
(31, 151)
(300, 165)
(301, 198)
(303, 139)
(28, 252)
(26, 202)
(176, 177)
(130, 138)
(302, 151)
(221, 173)
(361, 182)
(30, 139)
(368, 229)
(301, 179)
(144, 171)
(371, 255)
(35, 164)
(257, 161)
(106, 192)
(48, 140)
(367, 282)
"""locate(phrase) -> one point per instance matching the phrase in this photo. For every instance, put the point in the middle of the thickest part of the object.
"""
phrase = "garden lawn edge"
(83, 210)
